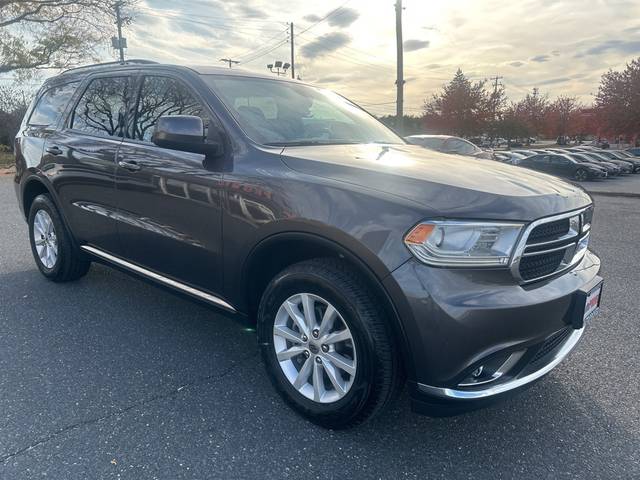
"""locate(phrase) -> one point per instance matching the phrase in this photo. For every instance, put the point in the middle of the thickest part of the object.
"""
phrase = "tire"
(370, 350)
(60, 262)
(581, 175)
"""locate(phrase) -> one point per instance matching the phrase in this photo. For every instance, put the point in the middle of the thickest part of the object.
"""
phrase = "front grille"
(551, 344)
(552, 246)
(549, 231)
(540, 265)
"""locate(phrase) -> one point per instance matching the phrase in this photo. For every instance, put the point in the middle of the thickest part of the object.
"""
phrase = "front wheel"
(326, 344)
(581, 175)
(51, 245)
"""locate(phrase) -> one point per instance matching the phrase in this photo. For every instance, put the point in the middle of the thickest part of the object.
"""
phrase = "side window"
(102, 107)
(458, 146)
(51, 104)
(162, 97)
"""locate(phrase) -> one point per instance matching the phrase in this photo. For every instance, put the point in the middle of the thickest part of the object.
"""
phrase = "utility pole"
(400, 67)
(293, 64)
(494, 103)
(120, 39)
(229, 61)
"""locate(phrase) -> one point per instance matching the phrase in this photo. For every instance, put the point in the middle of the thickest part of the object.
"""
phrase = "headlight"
(463, 243)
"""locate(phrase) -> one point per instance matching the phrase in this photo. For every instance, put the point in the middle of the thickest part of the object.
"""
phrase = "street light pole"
(400, 70)
(293, 64)
(119, 21)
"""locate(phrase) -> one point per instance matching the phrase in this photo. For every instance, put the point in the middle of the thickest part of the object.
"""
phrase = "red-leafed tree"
(618, 101)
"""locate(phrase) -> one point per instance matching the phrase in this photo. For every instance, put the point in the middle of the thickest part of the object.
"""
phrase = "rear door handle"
(131, 165)
(54, 151)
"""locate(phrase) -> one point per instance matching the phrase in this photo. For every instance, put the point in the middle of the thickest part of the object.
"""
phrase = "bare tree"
(40, 34)
(13, 105)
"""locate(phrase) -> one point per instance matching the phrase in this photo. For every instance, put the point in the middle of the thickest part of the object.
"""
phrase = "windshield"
(282, 113)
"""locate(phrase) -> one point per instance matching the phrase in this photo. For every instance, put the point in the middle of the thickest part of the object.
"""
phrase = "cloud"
(252, 12)
(327, 43)
(540, 58)
(413, 45)
(553, 81)
(330, 79)
(344, 18)
(341, 19)
(516, 64)
(620, 46)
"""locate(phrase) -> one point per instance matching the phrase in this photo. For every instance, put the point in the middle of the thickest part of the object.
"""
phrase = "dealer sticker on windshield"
(592, 304)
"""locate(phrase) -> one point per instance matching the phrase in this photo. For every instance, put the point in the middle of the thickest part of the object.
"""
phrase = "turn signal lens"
(419, 234)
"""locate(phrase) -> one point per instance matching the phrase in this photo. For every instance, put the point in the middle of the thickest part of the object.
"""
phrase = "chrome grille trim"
(576, 239)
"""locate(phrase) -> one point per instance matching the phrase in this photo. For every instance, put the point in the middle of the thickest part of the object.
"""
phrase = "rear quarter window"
(51, 104)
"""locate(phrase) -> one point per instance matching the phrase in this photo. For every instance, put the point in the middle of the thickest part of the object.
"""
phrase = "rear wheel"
(326, 345)
(581, 175)
(51, 245)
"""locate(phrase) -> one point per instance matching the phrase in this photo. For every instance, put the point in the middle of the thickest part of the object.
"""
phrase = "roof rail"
(133, 61)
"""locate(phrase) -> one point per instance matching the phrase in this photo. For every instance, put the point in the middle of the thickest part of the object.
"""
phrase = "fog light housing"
(492, 370)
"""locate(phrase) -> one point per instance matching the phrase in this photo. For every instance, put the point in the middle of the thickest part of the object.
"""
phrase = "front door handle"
(130, 165)
(54, 150)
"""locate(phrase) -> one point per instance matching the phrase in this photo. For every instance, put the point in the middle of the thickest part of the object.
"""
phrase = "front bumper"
(456, 321)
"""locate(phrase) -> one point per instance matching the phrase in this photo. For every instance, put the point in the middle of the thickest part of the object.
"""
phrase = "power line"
(278, 45)
(247, 30)
(266, 45)
(226, 20)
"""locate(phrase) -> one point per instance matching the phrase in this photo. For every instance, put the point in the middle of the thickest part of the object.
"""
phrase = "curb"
(615, 194)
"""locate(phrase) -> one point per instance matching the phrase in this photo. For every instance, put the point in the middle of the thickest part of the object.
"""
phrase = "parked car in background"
(449, 144)
(362, 261)
(526, 153)
(625, 167)
(612, 169)
(564, 166)
(615, 155)
(635, 151)
(512, 158)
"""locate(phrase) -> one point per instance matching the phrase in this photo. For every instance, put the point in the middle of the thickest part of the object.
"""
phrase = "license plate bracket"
(586, 302)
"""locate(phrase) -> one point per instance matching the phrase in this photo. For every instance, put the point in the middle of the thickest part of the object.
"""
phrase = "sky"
(561, 47)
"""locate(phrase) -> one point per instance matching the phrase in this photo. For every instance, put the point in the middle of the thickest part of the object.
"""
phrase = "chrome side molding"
(457, 394)
(159, 278)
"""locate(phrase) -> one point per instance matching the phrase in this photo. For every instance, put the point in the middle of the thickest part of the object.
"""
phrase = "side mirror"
(184, 133)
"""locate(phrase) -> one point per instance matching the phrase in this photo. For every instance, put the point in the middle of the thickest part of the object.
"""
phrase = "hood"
(445, 185)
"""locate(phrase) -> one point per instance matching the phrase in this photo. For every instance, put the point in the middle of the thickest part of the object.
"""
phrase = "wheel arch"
(278, 251)
(33, 187)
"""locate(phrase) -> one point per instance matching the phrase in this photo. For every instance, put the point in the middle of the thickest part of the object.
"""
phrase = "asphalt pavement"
(111, 377)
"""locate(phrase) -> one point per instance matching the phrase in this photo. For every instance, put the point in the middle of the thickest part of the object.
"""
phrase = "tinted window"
(435, 143)
(162, 97)
(286, 113)
(102, 107)
(460, 146)
(51, 105)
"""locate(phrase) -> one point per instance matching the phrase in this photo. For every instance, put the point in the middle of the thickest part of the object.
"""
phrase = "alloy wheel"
(315, 348)
(45, 239)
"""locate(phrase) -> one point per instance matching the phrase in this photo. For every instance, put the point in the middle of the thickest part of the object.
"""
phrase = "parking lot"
(111, 377)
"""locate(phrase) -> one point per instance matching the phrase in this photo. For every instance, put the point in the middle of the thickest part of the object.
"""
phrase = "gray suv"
(366, 263)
